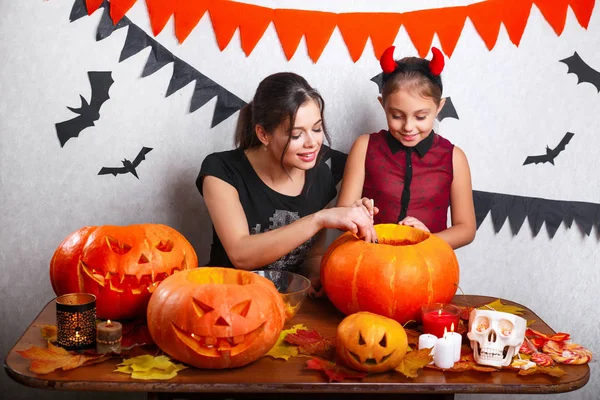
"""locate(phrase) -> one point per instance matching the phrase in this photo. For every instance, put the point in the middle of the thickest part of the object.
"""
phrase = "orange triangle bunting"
(447, 22)
(355, 29)
(118, 9)
(187, 15)
(515, 19)
(583, 10)
(384, 29)
(254, 25)
(160, 11)
(486, 17)
(228, 16)
(316, 26)
(92, 5)
(555, 12)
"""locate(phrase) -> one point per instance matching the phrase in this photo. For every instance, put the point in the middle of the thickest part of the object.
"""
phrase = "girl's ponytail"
(244, 130)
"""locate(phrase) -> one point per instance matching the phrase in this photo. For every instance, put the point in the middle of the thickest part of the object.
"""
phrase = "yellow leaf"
(497, 305)
(150, 367)
(413, 362)
(283, 350)
(554, 372)
(49, 332)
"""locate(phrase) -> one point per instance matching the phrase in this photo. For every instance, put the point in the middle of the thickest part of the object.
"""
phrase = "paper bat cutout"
(550, 153)
(584, 72)
(448, 111)
(128, 166)
(88, 112)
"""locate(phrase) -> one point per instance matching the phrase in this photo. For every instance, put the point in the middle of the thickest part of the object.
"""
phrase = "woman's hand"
(354, 219)
(315, 290)
(368, 204)
(415, 223)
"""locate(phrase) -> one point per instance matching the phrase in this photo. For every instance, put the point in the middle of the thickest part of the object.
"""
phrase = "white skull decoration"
(495, 336)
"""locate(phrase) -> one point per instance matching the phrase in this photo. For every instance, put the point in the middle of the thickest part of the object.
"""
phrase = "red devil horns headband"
(389, 65)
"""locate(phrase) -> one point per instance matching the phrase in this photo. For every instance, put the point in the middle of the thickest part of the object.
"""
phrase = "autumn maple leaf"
(310, 342)
(497, 305)
(49, 333)
(46, 360)
(413, 361)
(412, 336)
(334, 372)
(284, 350)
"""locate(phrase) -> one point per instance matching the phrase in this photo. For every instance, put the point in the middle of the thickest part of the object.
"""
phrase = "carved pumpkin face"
(370, 342)
(121, 265)
(394, 278)
(216, 317)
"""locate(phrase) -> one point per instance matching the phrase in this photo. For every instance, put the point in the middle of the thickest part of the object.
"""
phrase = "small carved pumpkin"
(216, 317)
(121, 265)
(370, 342)
(394, 278)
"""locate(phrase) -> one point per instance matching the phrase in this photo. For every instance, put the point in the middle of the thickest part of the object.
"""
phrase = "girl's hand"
(415, 223)
(368, 204)
(315, 290)
(354, 219)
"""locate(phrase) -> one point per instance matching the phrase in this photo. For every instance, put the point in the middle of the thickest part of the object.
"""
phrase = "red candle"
(439, 318)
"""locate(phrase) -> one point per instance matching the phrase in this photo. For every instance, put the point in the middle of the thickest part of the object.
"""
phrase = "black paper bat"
(550, 153)
(584, 72)
(128, 166)
(100, 81)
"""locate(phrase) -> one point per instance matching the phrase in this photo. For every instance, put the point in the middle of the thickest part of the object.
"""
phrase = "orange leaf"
(413, 361)
(44, 361)
(413, 336)
(334, 372)
(49, 332)
(554, 372)
(309, 342)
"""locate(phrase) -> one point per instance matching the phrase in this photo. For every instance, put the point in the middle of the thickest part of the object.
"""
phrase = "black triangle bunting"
(183, 73)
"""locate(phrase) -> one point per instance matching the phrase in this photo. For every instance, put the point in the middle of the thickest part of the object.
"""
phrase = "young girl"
(267, 198)
(410, 173)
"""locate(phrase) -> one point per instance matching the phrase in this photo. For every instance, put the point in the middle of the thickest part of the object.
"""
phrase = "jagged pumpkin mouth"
(218, 347)
(369, 361)
(122, 283)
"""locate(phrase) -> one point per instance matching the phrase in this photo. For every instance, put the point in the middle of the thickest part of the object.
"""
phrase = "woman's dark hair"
(277, 100)
(413, 73)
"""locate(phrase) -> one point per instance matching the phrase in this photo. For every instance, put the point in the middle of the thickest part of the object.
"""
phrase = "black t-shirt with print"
(265, 208)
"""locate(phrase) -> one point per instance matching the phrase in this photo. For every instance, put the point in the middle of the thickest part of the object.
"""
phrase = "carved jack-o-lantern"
(216, 317)
(371, 342)
(121, 265)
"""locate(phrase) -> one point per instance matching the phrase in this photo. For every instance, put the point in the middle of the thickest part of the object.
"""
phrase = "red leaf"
(309, 342)
(135, 333)
(334, 372)
(558, 337)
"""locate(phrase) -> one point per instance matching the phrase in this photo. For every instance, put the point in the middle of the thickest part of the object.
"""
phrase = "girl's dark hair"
(413, 73)
(277, 100)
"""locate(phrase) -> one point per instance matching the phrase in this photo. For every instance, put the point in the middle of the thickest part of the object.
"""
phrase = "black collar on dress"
(421, 148)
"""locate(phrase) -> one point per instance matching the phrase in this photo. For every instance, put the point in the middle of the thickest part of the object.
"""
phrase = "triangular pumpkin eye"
(242, 308)
(165, 245)
(383, 341)
(201, 308)
(361, 341)
(116, 246)
(221, 322)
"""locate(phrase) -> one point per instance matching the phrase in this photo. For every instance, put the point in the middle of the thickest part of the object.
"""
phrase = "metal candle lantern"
(76, 321)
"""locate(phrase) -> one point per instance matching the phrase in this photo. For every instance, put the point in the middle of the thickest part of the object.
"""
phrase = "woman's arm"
(354, 173)
(312, 263)
(462, 210)
(254, 251)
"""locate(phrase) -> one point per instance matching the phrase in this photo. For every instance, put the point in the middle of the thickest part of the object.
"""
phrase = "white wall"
(511, 102)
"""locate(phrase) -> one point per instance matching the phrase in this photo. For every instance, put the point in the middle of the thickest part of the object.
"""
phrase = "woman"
(267, 198)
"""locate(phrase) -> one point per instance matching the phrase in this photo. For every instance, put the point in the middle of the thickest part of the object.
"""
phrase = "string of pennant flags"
(357, 27)
(183, 73)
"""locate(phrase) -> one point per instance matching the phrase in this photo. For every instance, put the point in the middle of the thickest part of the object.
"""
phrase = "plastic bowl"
(293, 289)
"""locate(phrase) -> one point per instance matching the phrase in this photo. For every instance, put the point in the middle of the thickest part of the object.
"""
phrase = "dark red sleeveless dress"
(409, 181)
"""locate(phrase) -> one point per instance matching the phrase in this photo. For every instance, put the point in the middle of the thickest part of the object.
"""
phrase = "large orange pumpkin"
(121, 265)
(394, 278)
(216, 317)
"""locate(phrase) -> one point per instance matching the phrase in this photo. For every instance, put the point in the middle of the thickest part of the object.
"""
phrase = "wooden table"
(268, 378)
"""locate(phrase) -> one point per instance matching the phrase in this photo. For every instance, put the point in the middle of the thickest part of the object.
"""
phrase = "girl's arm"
(312, 264)
(354, 173)
(254, 251)
(462, 210)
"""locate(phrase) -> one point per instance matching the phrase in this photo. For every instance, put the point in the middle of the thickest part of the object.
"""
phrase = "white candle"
(427, 341)
(444, 353)
(456, 340)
